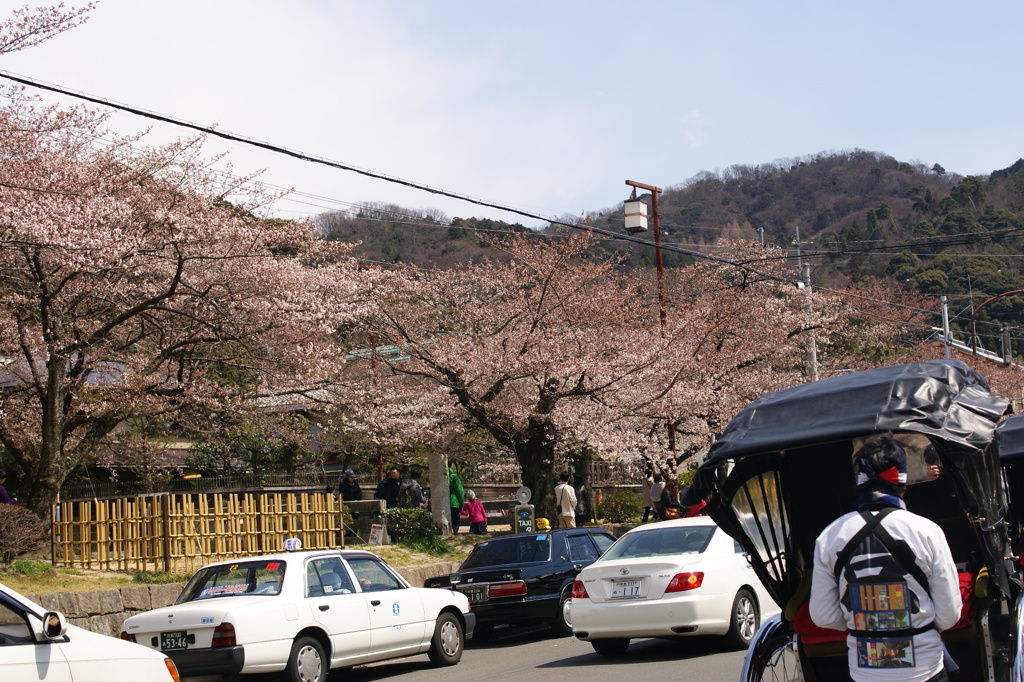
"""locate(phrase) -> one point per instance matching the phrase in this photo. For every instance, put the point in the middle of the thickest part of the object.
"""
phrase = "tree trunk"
(538, 465)
(50, 473)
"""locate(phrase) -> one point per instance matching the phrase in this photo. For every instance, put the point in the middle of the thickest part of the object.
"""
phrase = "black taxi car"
(525, 578)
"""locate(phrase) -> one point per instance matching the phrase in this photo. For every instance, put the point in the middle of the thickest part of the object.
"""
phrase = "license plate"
(474, 594)
(622, 589)
(173, 641)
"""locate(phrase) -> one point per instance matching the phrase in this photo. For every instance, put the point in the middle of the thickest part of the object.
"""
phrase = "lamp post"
(636, 221)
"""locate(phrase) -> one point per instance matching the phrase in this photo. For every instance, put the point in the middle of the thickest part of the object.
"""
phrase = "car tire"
(561, 625)
(610, 647)
(447, 644)
(744, 619)
(307, 662)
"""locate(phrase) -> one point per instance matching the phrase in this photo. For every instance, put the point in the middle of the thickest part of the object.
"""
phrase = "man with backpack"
(410, 492)
(887, 575)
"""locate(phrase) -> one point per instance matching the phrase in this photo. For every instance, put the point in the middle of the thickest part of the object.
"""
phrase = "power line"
(374, 174)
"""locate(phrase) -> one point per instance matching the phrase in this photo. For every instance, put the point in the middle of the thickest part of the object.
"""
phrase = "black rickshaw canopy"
(944, 398)
(784, 468)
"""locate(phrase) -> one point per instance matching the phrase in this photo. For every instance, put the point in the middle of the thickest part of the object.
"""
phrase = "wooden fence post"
(165, 508)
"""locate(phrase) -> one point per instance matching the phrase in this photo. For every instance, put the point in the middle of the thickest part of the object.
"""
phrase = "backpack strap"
(903, 556)
(872, 521)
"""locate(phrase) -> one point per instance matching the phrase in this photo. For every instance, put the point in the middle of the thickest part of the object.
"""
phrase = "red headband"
(890, 475)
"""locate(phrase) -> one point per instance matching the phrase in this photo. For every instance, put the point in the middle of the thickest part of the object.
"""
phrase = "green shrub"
(407, 524)
(686, 478)
(620, 506)
(32, 568)
(434, 545)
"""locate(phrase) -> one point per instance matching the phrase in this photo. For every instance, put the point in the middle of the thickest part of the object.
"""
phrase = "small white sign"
(377, 534)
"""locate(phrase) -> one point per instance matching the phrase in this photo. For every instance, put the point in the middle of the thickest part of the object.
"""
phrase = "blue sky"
(549, 106)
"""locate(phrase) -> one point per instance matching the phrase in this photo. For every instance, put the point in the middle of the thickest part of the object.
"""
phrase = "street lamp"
(636, 221)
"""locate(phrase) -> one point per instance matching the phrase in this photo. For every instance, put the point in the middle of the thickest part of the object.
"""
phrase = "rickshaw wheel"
(771, 656)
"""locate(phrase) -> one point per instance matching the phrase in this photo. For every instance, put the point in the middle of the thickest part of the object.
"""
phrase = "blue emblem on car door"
(396, 608)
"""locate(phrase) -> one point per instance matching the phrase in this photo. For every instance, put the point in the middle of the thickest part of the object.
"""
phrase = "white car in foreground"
(668, 579)
(36, 644)
(303, 613)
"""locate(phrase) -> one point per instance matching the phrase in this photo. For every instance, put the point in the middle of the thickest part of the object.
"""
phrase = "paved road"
(533, 654)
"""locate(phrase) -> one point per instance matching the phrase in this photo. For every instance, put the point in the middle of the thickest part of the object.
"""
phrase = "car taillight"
(223, 635)
(513, 588)
(126, 637)
(172, 669)
(579, 591)
(685, 581)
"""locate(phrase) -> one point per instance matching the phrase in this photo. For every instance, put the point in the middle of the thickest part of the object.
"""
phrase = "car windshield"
(661, 542)
(513, 550)
(232, 580)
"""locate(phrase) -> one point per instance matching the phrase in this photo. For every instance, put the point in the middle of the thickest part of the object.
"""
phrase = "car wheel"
(446, 645)
(562, 625)
(482, 633)
(610, 647)
(307, 662)
(744, 620)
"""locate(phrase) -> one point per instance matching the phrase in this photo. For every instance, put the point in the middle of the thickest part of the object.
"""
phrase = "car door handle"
(375, 602)
(324, 607)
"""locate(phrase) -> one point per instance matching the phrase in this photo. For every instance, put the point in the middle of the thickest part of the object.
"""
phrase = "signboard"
(524, 514)
(377, 534)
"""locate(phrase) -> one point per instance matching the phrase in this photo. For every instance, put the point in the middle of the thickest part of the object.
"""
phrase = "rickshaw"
(784, 469)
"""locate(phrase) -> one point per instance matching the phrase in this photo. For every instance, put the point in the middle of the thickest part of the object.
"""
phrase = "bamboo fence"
(180, 532)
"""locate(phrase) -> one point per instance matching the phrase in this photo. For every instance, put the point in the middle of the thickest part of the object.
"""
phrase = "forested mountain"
(861, 216)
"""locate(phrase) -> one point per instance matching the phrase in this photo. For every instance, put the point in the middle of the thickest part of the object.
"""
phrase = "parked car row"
(302, 614)
(668, 579)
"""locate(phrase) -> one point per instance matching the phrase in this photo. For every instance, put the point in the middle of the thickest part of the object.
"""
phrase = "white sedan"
(36, 644)
(303, 613)
(668, 579)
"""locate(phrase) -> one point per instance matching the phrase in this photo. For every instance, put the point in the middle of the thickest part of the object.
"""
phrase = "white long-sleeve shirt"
(941, 607)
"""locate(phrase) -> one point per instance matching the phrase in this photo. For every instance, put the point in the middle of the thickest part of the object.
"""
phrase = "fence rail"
(181, 532)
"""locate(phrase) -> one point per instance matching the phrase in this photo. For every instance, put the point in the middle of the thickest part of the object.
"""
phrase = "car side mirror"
(455, 578)
(55, 625)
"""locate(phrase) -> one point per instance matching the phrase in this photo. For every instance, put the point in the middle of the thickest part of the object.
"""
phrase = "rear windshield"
(515, 550)
(232, 580)
(661, 542)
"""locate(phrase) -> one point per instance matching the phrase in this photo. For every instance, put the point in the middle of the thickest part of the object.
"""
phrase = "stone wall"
(104, 611)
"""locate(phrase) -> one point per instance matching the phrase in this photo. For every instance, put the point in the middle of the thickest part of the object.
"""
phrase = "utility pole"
(812, 342)
(662, 308)
(945, 325)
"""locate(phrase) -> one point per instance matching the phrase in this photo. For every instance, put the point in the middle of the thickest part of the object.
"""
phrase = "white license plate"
(623, 589)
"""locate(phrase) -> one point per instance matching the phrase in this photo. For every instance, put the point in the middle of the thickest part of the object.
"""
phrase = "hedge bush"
(620, 506)
(408, 524)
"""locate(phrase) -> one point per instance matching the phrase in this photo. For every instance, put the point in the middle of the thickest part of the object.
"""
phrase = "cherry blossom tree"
(554, 353)
(129, 285)
(546, 347)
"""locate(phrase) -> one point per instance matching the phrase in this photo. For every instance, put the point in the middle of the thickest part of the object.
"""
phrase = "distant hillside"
(861, 215)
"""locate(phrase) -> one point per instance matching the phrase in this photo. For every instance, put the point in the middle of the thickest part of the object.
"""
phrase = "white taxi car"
(36, 644)
(302, 613)
(669, 579)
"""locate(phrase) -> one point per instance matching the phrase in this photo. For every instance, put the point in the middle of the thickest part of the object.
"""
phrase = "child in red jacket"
(474, 509)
